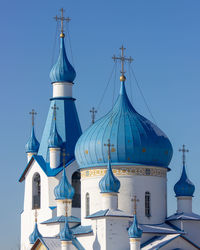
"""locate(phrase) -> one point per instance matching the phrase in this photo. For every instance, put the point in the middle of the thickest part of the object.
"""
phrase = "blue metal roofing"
(109, 213)
(64, 189)
(81, 230)
(109, 183)
(136, 139)
(55, 141)
(32, 145)
(35, 235)
(65, 233)
(59, 219)
(68, 127)
(134, 231)
(184, 216)
(184, 187)
(62, 71)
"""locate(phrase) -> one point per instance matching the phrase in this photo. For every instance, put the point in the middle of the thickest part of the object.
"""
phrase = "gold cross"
(183, 150)
(33, 113)
(122, 58)
(109, 145)
(63, 154)
(54, 111)
(93, 111)
(62, 19)
(36, 215)
(135, 200)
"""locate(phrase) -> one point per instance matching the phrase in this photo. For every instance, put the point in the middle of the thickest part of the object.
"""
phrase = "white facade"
(62, 89)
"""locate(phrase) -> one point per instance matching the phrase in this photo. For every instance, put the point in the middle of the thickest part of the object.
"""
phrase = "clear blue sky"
(163, 37)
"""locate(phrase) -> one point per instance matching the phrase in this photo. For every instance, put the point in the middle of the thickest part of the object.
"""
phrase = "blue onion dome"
(64, 189)
(62, 71)
(109, 183)
(32, 145)
(55, 141)
(136, 140)
(65, 234)
(184, 187)
(35, 235)
(134, 231)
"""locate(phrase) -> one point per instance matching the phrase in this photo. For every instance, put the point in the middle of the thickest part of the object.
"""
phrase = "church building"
(105, 188)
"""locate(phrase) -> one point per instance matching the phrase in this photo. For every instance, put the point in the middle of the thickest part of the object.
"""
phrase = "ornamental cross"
(36, 215)
(109, 145)
(33, 113)
(62, 19)
(122, 58)
(135, 200)
(183, 150)
(54, 111)
(93, 112)
(63, 154)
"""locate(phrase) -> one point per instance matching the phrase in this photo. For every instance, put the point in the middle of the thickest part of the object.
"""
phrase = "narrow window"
(36, 191)
(87, 204)
(76, 183)
(147, 204)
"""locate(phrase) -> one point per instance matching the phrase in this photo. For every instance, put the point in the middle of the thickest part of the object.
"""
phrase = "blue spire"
(184, 187)
(55, 141)
(35, 235)
(64, 189)
(62, 71)
(134, 231)
(109, 183)
(65, 234)
(32, 145)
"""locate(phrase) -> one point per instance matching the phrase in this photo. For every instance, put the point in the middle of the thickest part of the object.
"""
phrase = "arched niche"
(76, 183)
(36, 191)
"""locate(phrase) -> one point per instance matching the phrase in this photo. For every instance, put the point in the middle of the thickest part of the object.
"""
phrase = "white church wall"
(62, 89)
(130, 185)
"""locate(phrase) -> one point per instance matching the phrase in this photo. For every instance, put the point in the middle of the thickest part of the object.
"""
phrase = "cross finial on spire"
(33, 113)
(135, 200)
(109, 145)
(36, 215)
(62, 19)
(93, 112)
(64, 155)
(54, 111)
(183, 150)
(123, 59)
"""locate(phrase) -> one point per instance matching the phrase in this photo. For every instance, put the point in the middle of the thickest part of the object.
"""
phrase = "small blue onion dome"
(65, 234)
(136, 140)
(134, 231)
(55, 141)
(32, 145)
(35, 235)
(184, 187)
(62, 71)
(109, 183)
(64, 189)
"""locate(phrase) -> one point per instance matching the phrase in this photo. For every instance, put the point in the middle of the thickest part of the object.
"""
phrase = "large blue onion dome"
(64, 189)
(65, 234)
(35, 235)
(55, 141)
(134, 231)
(184, 187)
(136, 140)
(32, 145)
(62, 71)
(109, 183)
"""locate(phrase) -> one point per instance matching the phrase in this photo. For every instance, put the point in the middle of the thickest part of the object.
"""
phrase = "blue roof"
(32, 145)
(184, 216)
(35, 234)
(134, 231)
(55, 141)
(64, 189)
(62, 71)
(184, 187)
(109, 183)
(136, 140)
(109, 213)
(67, 124)
(58, 219)
(65, 233)
(81, 230)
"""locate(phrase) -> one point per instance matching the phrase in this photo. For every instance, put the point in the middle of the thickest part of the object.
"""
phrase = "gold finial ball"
(62, 35)
(122, 78)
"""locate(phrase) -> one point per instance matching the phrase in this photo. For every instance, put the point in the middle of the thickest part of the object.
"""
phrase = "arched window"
(147, 204)
(36, 185)
(87, 204)
(76, 183)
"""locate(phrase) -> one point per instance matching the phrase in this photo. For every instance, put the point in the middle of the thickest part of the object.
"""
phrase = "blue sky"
(162, 37)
